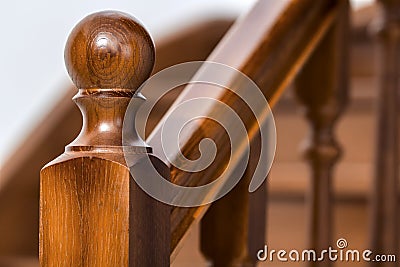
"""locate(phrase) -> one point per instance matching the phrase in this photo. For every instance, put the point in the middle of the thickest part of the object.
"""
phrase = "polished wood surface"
(284, 75)
(234, 228)
(322, 87)
(19, 188)
(107, 50)
(385, 199)
(92, 213)
(267, 58)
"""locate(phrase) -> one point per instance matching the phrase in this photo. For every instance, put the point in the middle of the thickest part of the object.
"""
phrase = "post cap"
(109, 50)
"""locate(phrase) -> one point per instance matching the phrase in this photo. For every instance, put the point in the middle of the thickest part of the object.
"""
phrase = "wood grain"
(109, 50)
(84, 207)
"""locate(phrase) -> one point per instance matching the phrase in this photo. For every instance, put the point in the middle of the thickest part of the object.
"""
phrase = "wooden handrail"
(270, 44)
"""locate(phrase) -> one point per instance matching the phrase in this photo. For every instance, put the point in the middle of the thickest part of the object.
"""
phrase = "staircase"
(288, 210)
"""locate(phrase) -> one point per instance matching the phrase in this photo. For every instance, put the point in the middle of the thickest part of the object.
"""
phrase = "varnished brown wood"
(19, 190)
(385, 200)
(270, 60)
(79, 224)
(106, 50)
(322, 88)
(308, 34)
(92, 213)
(234, 227)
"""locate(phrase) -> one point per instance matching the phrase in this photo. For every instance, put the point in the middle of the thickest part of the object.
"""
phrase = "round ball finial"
(109, 50)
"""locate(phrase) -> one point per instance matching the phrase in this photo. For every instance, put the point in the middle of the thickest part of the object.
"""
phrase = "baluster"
(233, 229)
(92, 213)
(322, 87)
(385, 207)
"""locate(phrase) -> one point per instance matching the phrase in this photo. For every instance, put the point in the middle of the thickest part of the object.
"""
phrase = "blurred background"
(39, 119)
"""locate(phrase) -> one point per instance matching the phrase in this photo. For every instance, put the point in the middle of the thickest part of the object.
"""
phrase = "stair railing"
(92, 213)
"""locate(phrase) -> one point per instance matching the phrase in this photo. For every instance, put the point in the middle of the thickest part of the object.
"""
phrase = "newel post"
(92, 213)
